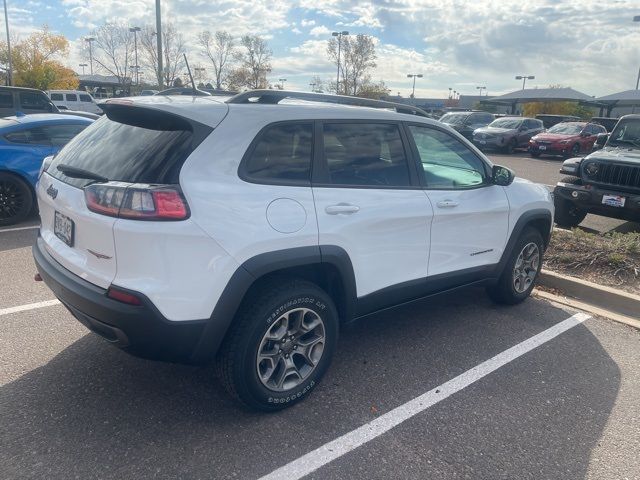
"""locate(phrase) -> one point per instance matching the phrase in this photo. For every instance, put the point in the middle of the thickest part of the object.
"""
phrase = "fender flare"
(257, 267)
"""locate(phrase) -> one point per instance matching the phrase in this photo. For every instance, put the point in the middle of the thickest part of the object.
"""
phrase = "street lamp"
(83, 65)
(135, 31)
(90, 40)
(282, 80)
(414, 75)
(635, 19)
(339, 35)
(524, 79)
(449, 93)
(6, 24)
(481, 88)
(313, 86)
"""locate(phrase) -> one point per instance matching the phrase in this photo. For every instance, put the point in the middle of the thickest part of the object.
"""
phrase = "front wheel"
(280, 345)
(16, 199)
(521, 271)
(511, 146)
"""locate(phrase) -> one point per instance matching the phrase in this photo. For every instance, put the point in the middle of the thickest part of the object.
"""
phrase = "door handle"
(447, 204)
(342, 208)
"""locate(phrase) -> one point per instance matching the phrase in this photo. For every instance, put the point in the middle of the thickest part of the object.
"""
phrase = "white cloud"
(307, 23)
(320, 31)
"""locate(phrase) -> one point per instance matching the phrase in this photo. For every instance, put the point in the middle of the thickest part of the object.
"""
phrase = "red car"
(568, 139)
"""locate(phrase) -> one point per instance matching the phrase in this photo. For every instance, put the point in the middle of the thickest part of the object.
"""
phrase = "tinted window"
(29, 136)
(57, 97)
(34, 101)
(365, 155)
(85, 98)
(124, 152)
(60, 135)
(283, 152)
(72, 97)
(6, 100)
(446, 162)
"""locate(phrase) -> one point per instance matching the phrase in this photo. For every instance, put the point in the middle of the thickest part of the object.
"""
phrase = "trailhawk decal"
(481, 252)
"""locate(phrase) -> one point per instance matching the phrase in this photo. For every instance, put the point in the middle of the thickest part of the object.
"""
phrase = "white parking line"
(350, 441)
(28, 306)
(19, 228)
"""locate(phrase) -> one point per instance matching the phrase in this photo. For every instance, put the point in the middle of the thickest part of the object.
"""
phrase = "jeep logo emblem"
(52, 192)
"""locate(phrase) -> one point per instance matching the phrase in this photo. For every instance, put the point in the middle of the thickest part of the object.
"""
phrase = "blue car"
(25, 140)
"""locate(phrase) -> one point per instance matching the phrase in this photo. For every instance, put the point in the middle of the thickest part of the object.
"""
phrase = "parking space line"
(28, 306)
(19, 228)
(350, 441)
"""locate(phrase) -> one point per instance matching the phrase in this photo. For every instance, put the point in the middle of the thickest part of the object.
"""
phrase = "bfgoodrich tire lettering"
(241, 362)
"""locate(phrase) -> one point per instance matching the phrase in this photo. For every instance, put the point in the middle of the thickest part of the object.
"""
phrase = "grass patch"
(611, 259)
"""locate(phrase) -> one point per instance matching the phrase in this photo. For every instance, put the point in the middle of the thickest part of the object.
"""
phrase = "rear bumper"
(550, 149)
(140, 330)
(590, 200)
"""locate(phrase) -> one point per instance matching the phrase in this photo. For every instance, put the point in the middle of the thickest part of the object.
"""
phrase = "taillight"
(122, 296)
(137, 202)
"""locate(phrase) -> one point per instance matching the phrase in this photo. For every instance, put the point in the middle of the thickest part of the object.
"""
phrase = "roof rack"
(275, 96)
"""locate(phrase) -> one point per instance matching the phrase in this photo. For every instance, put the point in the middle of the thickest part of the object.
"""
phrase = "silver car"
(507, 134)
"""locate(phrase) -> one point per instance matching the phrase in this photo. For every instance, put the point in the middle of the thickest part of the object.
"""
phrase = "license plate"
(63, 228)
(542, 147)
(613, 200)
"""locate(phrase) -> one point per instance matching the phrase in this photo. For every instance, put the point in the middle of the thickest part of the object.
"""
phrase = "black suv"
(31, 100)
(606, 182)
(466, 122)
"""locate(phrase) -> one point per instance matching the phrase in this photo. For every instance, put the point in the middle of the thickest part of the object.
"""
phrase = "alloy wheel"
(526, 267)
(11, 199)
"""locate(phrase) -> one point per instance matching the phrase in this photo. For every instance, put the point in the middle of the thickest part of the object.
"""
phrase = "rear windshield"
(152, 151)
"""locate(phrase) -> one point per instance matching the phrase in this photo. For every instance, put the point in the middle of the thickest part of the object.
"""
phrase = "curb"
(603, 298)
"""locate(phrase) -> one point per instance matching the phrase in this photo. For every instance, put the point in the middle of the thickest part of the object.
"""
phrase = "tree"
(357, 58)
(557, 108)
(113, 50)
(36, 61)
(253, 63)
(316, 84)
(177, 82)
(173, 49)
(219, 49)
(372, 90)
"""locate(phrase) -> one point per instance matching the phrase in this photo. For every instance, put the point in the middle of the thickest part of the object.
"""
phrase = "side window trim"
(320, 177)
(246, 177)
(417, 161)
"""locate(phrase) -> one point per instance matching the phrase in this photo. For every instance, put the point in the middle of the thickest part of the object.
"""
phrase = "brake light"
(137, 202)
(122, 296)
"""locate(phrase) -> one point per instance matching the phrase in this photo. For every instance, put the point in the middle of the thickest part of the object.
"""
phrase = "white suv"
(188, 228)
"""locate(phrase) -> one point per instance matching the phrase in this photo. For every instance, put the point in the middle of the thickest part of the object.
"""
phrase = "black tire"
(575, 150)
(504, 291)
(534, 154)
(16, 199)
(511, 146)
(237, 360)
(567, 214)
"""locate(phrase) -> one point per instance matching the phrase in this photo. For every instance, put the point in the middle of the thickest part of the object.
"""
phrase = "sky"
(589, 45)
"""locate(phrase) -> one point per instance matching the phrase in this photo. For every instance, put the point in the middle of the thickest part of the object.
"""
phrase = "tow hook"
(37, 277)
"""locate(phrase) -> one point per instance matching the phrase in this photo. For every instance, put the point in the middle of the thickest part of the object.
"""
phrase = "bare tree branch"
(219, 48)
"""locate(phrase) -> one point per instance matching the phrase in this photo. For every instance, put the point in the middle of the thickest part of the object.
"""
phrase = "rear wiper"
(75, 172)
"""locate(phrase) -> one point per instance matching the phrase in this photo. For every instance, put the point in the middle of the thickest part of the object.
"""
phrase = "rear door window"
(34, 101)
(29, 136)
(72, 97)
(367, 155)
(135, 145)
(57, 97)
(6, 100)
(282, 154)
(85, 98)
(60, 135)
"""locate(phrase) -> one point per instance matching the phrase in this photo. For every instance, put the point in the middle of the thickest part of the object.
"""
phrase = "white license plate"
(613, 200)
(63, 228)
(542, 147)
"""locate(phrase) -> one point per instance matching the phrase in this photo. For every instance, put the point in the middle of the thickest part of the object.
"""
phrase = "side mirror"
(502, 176)
(601, 140)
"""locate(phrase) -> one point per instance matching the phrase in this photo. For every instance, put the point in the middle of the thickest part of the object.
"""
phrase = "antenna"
(193, 84)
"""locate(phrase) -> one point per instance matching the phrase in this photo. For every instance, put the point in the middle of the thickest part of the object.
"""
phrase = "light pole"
(524, 79)
(414, 75)
(90, 40)
(135, 31)
(481, 88)
(6, 25)
(635, 19)
(83, 65)
(450, 93)
(313, 86)
(159, 43)
(339, 35)
(282, 80)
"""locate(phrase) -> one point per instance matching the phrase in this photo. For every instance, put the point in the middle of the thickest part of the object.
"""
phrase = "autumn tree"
(37, 61)
(374, 90)
(173, 49)
(219, 48)
(357, 58)
(254, 63)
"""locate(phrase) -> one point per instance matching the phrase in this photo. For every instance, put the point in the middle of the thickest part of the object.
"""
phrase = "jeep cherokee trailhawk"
(248, 230)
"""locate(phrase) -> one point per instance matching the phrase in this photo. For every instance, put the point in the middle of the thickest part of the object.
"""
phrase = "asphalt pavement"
(72, 406)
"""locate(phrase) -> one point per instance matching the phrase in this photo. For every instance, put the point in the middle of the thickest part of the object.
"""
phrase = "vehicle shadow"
(17, 239)
(94, 412)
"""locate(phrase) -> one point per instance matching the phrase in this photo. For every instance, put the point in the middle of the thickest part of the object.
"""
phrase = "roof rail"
(275, 96)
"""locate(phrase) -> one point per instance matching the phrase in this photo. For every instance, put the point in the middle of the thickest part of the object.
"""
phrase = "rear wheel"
(568, 214)
(16, 199)
(534, 154)
(280, 344)
(521, 271)
(511, 146)
(575, 151)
